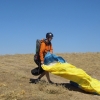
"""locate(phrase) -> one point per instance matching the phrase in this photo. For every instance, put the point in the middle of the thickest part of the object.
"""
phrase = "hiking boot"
(36, 81)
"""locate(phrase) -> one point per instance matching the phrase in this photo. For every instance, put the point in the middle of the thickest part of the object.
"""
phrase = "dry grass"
(15, 75)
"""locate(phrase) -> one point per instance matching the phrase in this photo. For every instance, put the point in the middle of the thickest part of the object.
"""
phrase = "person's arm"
(41, 53)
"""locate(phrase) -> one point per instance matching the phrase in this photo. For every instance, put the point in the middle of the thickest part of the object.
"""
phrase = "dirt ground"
(15, 74)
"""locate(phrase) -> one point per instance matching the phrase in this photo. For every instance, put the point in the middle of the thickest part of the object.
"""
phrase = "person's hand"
(42, 62)
(51, 52)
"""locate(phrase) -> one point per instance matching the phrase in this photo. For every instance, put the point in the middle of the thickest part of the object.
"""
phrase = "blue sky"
(74, 23)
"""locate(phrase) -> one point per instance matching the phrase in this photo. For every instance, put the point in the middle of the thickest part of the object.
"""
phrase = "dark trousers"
(38, 62)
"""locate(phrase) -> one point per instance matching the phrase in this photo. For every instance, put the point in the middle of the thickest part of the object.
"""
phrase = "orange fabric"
(44, 49)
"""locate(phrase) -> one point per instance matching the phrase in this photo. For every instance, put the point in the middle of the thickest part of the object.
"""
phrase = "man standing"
(46, 46)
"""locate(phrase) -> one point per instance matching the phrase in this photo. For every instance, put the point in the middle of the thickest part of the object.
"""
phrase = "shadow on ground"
(69, 86)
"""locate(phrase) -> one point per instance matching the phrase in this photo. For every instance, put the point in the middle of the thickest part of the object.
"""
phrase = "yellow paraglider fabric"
(74, 74)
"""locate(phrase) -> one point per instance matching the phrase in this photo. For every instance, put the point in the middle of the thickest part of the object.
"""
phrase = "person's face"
(50, 38)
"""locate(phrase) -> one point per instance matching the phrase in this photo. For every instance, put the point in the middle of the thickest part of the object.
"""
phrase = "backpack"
(36, 56)
(38, 70)
(38, 44)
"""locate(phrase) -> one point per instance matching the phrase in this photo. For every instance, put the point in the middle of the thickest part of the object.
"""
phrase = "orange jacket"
(44, 48)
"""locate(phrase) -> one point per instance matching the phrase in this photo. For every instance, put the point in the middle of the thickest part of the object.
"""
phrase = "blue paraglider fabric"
(50, 58)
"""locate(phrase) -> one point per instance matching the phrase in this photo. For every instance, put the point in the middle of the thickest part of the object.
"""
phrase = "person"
(46, 46)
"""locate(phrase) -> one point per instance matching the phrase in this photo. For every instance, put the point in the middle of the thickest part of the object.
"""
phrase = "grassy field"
(15, 74)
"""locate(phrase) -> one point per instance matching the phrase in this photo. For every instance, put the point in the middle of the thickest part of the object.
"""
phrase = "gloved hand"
(42, 62)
